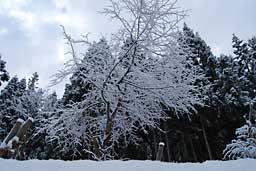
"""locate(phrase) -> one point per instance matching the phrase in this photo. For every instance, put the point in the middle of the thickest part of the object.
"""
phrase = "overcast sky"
(31, 39)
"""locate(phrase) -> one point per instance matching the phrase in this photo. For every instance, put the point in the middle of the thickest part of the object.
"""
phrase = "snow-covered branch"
(129, 81)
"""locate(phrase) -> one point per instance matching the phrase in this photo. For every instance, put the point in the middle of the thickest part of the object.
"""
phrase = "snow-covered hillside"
(85, 165)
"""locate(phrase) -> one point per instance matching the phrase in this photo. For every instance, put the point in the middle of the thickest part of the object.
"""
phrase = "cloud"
(3, 31)
(27, 20)
(36, 42)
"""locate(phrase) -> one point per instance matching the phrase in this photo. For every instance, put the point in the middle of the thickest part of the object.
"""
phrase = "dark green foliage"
(227, 90)
(199, 51)
(76, 90)
(9, 104)
(33, 81)
(4, 75)
(205, 135)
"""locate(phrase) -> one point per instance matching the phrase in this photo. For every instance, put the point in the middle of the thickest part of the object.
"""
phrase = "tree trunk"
(96, 147)
(154, 139)
(185, 150)
(206, 140)
(108, 132)
(167, 142)
(193, 149)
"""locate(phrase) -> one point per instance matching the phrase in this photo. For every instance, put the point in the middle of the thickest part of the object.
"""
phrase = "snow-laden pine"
(244, 146)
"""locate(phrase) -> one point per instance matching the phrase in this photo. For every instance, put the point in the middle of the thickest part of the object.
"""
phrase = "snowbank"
(56, 165)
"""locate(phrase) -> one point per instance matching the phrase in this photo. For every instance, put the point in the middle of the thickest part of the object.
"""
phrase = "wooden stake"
(160, 151)
(13, 131)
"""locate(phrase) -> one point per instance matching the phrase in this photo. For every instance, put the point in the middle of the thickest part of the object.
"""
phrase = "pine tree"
(9, 104)
(31, 100)
(37, 147)
(76, 91)
(241, 55)
(51, 102)
(244, 144)
(224, 93)
(33, 81)
(251, 75)
(4, 75)
(201, 55)
(200, 52)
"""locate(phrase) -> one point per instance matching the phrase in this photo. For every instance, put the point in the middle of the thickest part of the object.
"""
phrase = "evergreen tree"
(37, 147)
(224, 95)
(4, 75)
(32, 99)
(18, 101)
(51, 102)
(33, 82)
(76, 91)
(9, 104)
(244, 144)
(201, 55)
(200, 52)
(241, 55)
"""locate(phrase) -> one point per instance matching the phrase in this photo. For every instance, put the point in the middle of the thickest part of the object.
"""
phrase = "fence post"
(13, 131)
(160, 151)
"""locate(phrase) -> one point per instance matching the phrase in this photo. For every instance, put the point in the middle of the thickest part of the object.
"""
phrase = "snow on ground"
(85, 165)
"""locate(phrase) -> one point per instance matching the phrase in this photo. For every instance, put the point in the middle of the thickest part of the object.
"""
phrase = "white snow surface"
(86, 165)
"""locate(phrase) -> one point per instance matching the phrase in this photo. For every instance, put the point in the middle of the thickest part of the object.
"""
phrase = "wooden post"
(22, 131)
(13, 131)
(160, 151)
(13, 142)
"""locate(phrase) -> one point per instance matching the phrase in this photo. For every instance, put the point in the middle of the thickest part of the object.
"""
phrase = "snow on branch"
(244, 146)
(131, 80)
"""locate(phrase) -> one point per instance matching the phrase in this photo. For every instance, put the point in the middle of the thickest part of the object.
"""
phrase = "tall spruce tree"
(200, 52)
(201, 55)
(9, 104)
(4, 75)
(244, 146)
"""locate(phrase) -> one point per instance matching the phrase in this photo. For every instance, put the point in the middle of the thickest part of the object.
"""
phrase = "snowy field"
(51, 165)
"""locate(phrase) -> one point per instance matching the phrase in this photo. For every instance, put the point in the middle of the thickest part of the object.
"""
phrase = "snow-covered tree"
(37, 146)
(244, 146)
(130, 81)
(241, 54)
(17, 101)
(9, 102)
(32, 100)
(50, 103)
(4, 75)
